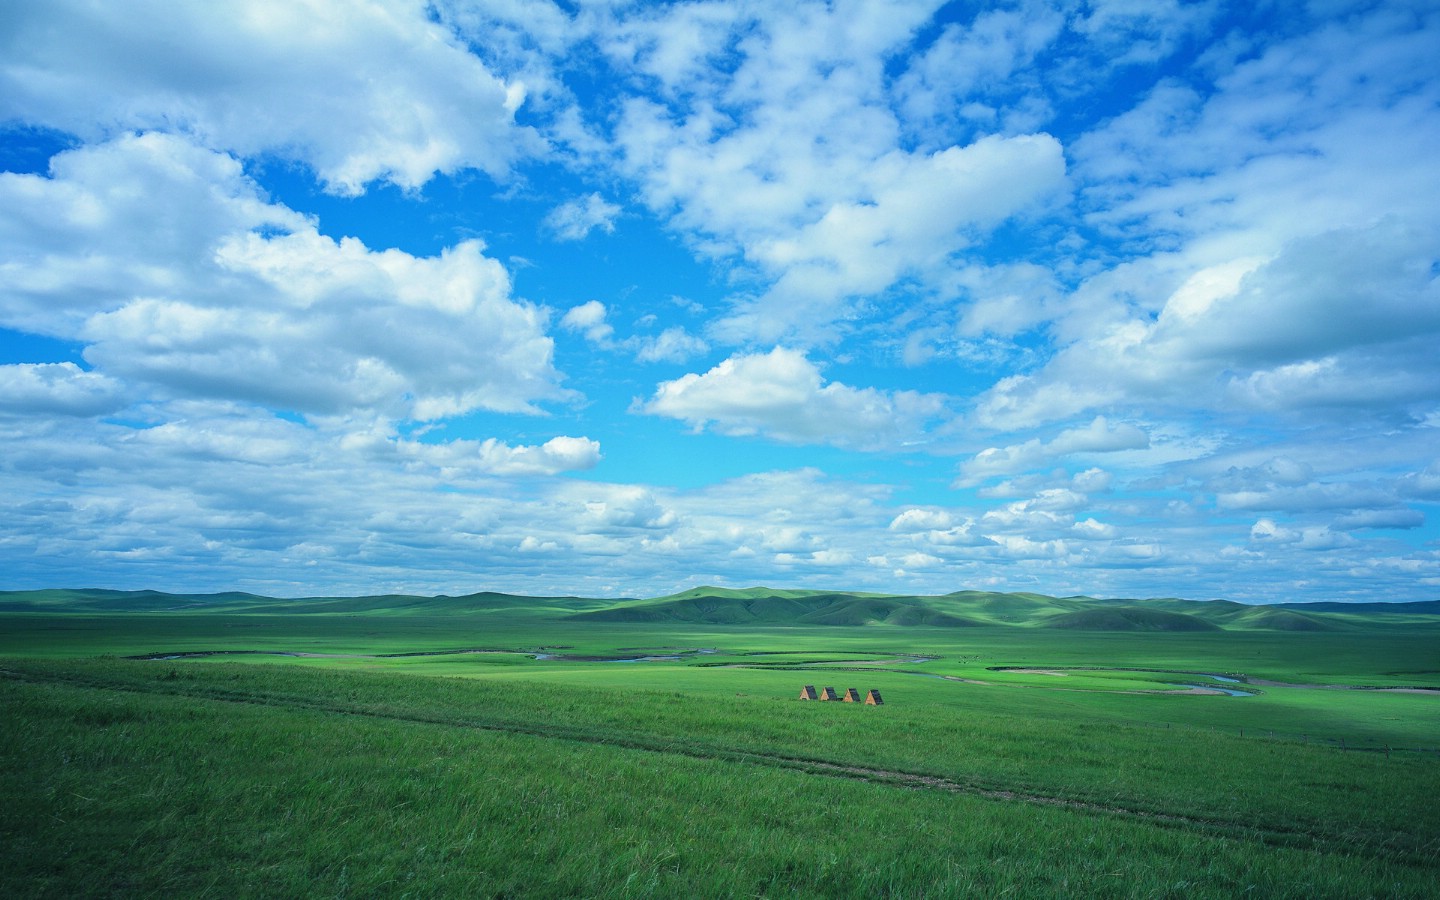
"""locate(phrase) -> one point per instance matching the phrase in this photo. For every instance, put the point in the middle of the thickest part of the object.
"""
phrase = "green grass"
(372, 771)
(238, 780)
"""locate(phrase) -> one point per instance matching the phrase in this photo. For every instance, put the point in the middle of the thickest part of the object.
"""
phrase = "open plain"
(493, 745)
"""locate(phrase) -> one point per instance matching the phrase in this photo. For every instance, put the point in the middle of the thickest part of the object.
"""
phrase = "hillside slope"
(769, 607)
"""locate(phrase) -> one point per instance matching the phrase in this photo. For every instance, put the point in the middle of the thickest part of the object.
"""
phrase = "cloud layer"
(1077, 297)
(252, 78)
(168, 263)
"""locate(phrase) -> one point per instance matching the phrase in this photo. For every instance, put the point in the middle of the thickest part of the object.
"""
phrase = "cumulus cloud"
(1090, 529)
(671, 345)
(1295, 268)
(626, 508)
(791, 160)
(1227, 288)
(968, 75)
(1142, 32)
(1424, 484)
(1340, 320)
(589, 319)
(165, 260)
(57, 389)
(1267, 531)
(368, 91)
(560, 454)
(919, 519)
(1401, 517)
(1097, 437)
(1307, 497)
(464, 458)
(939, 531)
(914, 213)
(782, 395)
(574, 220)
(1047, 511)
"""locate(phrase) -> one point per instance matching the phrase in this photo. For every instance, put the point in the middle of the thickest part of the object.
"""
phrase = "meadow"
(499, 746)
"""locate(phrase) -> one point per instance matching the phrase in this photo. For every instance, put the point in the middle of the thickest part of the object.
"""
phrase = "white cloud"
(625, 508)
(1340, 320)
(220, 435)
(135, 217)
(1143, 32)
(1227, 289)
(911, 215)
(1050, 510)
(791, 160)
(361, 92)
(1308, 497)
(165, 260)
(560, 454)
(1401, 517)
(57, 389)
(940, 531)
(918, 519)
(574, 220)
(919, 560)
(1424, 484)
(464, 459)
(1089, 529)
(831, 558)
(1267, 531)
(589, 319)
(1097, 437)
(1273, 233)
(1020, 547)
(674, 344)
(974, 71)
(782, 395)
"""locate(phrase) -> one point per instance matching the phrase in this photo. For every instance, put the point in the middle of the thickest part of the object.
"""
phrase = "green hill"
(1424, 607)
(102, 600)
(1129, 618)
(94, 600)
(1021, 608)
(761, 606)
(767, 606)
(406, 604)
(1272, 619)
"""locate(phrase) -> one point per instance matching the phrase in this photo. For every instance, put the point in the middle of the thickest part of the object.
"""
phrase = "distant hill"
(1425, 607)
(771, 607)
(1128, 618)
(100, 600)
(91, 600)
(764, 607)
(1270, 618)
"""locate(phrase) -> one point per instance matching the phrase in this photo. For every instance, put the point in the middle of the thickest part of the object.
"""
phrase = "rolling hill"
(759, 606)
(1128, 618)
(769, 607)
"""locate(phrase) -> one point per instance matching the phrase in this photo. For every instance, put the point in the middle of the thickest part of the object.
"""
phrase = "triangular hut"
(828, 694)
(872, 698)
(807, 692)
(852, 695)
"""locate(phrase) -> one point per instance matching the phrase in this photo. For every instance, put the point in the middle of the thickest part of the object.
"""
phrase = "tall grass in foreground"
(119, 779)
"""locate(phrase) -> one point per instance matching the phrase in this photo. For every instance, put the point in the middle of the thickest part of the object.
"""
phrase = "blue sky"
(1111, 297)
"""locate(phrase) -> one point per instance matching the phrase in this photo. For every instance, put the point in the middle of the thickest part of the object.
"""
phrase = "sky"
(332, 297)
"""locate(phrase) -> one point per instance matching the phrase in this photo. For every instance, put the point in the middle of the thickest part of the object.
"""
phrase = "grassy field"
(412, 748)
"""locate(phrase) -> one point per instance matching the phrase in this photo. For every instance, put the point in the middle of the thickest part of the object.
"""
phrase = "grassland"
(295, 750)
